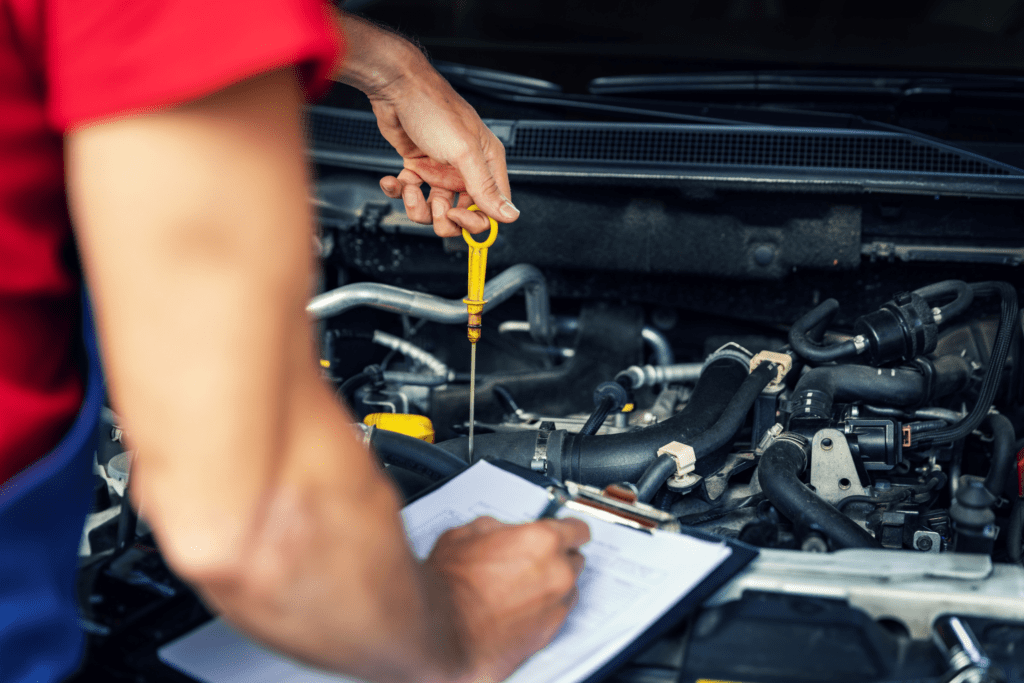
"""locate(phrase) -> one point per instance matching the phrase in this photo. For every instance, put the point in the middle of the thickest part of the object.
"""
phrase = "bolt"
(924, 543)
(764, 255)
(826, 444)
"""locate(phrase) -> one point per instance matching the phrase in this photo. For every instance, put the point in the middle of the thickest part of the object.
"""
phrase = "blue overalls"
(42, 512)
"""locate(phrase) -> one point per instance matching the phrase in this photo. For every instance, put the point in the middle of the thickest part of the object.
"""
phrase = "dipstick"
(475, 307)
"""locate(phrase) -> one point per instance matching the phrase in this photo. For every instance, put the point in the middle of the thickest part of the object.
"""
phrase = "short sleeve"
(113, 57)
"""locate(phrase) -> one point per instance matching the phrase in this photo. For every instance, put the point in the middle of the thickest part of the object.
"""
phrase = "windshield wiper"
(892, 85)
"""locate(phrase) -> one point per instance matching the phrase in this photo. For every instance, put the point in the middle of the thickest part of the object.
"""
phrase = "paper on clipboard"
(630, 580)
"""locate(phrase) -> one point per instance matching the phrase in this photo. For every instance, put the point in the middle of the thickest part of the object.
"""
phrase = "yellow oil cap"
(417, 426)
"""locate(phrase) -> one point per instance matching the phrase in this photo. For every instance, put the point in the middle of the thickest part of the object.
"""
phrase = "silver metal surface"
(472, 397)
(413, 352)
(435, 309)
(927, 541)
(911, 588)
(658, 342)
(649, 375)
(833, 473)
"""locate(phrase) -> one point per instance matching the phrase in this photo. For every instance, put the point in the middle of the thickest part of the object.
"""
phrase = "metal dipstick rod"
(475, 307)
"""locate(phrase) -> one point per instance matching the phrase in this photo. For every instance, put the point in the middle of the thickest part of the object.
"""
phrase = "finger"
(572, 532)
(576, 562)
(440, 200)
(391, 187)
(482, 185)
(415, 205)
(485, 524)
(474, 221)
(572, 598)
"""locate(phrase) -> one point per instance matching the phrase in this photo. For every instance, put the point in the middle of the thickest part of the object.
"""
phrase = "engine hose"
(663, 467)
(964, 296)
(718, 435)
(997, 361)
(1004, 459)
(414, 455)
(348, 388)
(597, 417)
(778, 473)
(801, 337)
(604, 459)
(816, 390)
(1015, 531)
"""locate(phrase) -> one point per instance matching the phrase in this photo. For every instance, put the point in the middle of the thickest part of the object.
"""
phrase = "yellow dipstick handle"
(477, 278)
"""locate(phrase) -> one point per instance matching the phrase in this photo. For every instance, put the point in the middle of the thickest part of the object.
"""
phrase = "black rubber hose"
(997, 361)
(800, 337)
(963, 293)
(718, 435)
(349, 387)
(1015, 531)
(415, 455)
(778, 473)
(1004, 458)
(608, 458)
(597, 417)
(663, 467)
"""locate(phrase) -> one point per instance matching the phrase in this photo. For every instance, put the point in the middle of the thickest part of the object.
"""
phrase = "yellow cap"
(417, 426)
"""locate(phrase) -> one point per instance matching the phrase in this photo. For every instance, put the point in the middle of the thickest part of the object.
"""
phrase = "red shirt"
(64, 63)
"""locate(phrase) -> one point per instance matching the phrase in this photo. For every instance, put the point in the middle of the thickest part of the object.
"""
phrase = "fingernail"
(509, 210)
(437, 209)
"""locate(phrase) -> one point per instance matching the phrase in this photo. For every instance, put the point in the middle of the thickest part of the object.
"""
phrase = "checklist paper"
(630, 580)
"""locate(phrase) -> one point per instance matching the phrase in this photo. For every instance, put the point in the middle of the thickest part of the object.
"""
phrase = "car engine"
(824, 365)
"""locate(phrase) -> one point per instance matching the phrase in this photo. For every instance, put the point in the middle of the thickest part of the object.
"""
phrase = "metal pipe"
(649, 375)
(449, 311)
(658, 342)
(410, 350)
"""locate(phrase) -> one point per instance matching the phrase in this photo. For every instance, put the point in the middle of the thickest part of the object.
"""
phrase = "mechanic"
(176, 129)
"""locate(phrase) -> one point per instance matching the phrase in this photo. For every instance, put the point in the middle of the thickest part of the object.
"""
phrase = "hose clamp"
(686, 461)
(539, 463)
(733, 351)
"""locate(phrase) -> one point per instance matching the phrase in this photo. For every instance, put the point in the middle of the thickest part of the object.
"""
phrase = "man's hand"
(440, 136)
(512, 587)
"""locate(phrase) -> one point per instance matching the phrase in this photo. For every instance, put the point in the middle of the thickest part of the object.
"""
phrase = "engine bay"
(834, 378)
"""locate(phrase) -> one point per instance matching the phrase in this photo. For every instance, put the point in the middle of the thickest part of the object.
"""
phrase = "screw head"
(924, 543)
(826, 444)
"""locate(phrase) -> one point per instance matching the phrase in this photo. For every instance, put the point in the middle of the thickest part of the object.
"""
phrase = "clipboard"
(740, 556)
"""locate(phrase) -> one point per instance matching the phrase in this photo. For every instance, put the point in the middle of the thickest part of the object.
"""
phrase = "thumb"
(484, 183)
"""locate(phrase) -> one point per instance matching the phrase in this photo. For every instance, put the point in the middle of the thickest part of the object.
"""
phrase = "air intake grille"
(884, 152)
(681, 145)
(330, 129)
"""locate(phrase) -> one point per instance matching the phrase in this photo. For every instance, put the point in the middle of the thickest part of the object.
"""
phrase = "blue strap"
(42, 511)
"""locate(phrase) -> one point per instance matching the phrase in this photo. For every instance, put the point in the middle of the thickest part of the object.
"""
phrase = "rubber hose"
(778, 473)
(608, 458)
(597, 417)
(350, 386)
(964, 296)
(993, 374)
(818, 389)
(735, 414)
(1004, 458)
(801, 341)
(929, 426)
(414, 455)
(663, 467)
(1015, 531)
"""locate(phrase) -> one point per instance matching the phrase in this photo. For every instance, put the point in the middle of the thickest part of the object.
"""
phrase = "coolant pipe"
(608, 458)
(413, 352)
(779, 475)
(818, 389)
(963, 297)
(449, 311)
(1003, 453)
(803, 331)
(412, 454)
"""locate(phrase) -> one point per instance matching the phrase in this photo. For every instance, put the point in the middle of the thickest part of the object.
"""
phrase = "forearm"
(329, 534)
(375, 58)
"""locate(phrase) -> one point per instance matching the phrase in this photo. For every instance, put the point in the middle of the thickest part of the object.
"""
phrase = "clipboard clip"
(615, 503)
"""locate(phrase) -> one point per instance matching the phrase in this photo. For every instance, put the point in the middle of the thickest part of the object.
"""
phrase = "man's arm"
(440, 136)
(194, 229)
